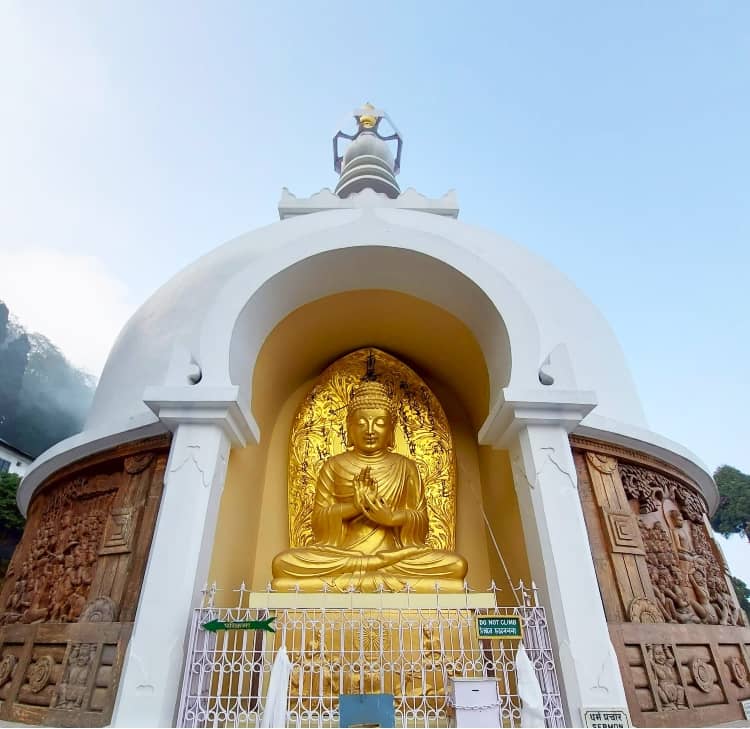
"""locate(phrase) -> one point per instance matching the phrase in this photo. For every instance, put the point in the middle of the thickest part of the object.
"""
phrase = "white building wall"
(16, 463)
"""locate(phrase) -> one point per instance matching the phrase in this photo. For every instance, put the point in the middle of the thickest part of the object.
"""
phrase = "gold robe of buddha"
(369, 518)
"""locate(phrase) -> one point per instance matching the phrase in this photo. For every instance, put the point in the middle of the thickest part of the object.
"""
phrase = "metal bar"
(411, 652)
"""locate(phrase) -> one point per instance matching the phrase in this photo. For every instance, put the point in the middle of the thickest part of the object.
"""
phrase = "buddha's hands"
(371, 504)
(365, 490)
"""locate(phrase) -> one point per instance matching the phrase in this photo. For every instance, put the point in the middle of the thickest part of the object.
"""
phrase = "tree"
(733, 514)
(743, 594)
(10, 517)
(11, 521)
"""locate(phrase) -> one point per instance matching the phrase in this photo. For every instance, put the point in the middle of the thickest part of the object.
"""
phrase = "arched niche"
(254, 301)
(253, 519)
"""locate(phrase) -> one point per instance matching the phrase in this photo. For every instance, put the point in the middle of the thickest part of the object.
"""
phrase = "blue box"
(366, 710)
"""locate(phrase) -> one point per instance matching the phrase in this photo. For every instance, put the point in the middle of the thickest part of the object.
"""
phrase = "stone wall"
(682, 641)
(68, 603)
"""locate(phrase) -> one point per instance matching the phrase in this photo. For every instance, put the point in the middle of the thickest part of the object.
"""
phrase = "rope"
(494, 542)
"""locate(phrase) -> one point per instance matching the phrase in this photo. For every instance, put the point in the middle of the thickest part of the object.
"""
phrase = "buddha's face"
(370, 430)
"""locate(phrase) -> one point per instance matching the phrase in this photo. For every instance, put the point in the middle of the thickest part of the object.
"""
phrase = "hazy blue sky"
(611, 138)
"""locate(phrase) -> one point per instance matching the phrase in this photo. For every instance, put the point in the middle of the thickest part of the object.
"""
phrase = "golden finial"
(368, 120)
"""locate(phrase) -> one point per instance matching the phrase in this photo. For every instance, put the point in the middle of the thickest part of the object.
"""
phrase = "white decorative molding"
(516, 409)
(205, 405)
(290, 205)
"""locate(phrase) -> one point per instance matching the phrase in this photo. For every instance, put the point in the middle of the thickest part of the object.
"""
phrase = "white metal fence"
(410, 652)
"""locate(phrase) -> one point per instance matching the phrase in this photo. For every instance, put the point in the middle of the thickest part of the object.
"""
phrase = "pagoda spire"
(368, 161)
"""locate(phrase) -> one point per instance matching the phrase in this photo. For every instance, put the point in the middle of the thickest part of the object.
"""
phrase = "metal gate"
(410, 651)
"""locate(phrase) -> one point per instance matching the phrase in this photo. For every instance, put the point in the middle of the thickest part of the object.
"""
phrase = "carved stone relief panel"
(52, 572)
(73, 688)
(701, 675)
(674, 619)
(685, 573)
(681, 675)
(76, 572)
(61, 674)
(668, 581)
(667, 681)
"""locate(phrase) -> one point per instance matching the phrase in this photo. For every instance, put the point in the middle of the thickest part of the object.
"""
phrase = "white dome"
(217, 312)
(177, 314)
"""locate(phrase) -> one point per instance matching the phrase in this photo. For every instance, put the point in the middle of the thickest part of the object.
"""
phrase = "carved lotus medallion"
(7, 666)
(39, 673)
(738, 671)
(100, 610)
(702, 673)
(643, 610)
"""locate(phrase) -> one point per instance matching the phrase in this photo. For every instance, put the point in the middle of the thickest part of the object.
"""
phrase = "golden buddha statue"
(369, 517)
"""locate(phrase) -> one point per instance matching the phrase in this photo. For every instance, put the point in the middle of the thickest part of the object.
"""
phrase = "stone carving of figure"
(683, 544)
(63, 589)
(72, 690)
(677, 599)
(671, 693)
(726, 608)
(83, 575)
(702, 604)
(19, 599)
(316, 673)
(75, 604)
(432, 659)
(67, 534)
(369, 518)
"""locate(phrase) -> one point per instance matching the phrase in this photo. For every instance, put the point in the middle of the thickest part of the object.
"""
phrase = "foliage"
(733, 514)
(10, 517)
(43, 398)
(743, 594)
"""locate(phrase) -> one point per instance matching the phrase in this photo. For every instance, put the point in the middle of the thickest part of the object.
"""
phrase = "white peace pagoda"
(560, 481)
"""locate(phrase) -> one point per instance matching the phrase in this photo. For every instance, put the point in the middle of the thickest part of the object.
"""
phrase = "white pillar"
(205, 426)
(534, 428)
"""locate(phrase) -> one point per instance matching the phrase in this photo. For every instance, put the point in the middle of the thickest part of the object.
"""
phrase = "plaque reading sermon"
(372, 493)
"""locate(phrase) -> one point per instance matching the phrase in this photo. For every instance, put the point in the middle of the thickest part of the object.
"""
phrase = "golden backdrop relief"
(422, 434)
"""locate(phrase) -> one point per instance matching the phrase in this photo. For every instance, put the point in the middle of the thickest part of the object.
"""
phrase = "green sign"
(214, 625)
(499, 627)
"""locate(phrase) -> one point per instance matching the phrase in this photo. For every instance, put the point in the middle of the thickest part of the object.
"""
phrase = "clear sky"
(610, 138)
